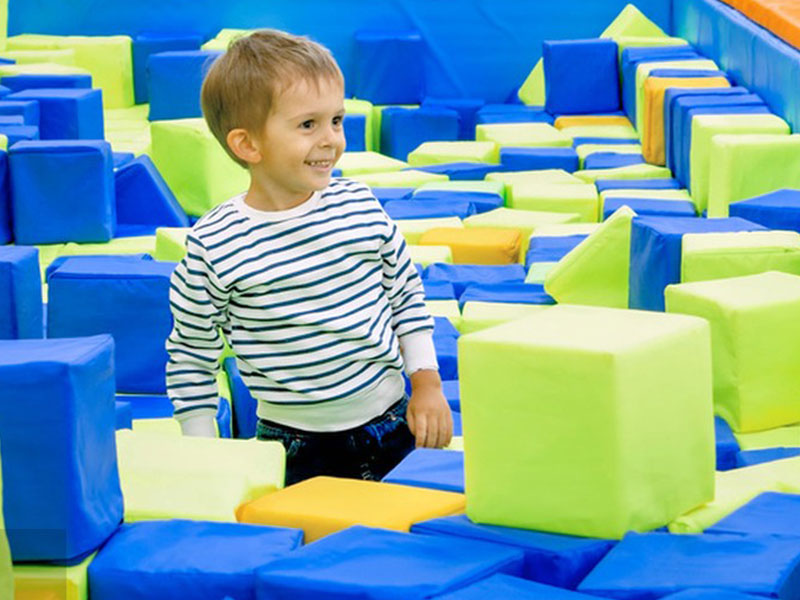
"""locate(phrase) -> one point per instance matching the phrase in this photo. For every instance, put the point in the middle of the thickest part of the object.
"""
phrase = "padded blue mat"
(770, 513)
(430, 468)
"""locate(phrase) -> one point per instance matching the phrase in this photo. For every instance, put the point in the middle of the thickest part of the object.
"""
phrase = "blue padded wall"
(174, 80)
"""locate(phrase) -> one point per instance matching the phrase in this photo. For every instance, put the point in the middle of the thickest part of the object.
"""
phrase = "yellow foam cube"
(476, 246)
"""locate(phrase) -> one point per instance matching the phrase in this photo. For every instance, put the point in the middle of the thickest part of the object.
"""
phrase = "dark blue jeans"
(366, 452)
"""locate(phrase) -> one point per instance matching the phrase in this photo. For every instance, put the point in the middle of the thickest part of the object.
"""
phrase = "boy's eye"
(307, 124)
(338, 121)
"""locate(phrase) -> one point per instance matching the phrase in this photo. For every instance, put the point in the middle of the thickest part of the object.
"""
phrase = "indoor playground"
(602, 201)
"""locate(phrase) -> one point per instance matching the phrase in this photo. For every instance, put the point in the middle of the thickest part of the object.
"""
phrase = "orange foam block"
(476, 246)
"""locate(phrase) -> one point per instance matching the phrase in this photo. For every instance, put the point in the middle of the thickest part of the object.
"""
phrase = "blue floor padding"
(20, 293)
(482, 201)
(512, 113)
(61, 493)
(467, 109)
(553, 248)
(403, 129)
(462, 171)
(438, 290)
(430, 468)
(656, 244)
(361, 562)
(144, 198)
(611, 160)
(186, 559)
(245, 419)
(67, 114)
(148, 43)
(17, 83)
(384, 195)
(652, 565)
(770, 513)
(389, 67)
(559, 560)
(355, 132)
(748, 458)
(128, 299)
(452, 393)
(447, 356)
(650, 207)
(637, 184)
(581, 76)
(727, 447)
(62, 191)
(531, 159)
(124, 415)
(463, 275)
(160, 407)
(506, 586)
(443, 326)
(776, 210)
(174, 80)
(429, 209)
(27, 109)
(511, 293)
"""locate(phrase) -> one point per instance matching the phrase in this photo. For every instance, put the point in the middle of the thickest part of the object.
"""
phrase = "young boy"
(307, 277)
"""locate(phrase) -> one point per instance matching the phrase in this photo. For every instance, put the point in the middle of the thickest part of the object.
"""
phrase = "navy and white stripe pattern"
(312, 305)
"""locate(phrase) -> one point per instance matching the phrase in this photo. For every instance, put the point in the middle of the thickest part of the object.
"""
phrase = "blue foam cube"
(581, 76)
(174, 80)
(143, 197)
(245, 419)
(186, 559)
(6, 230)
(430, 468)
(452, 394)
(19, 133)
(637, 184)
(120, 159)
(776, 210)
(549, 248)
(442, 325)
(62, 191)
(482, 201)
(403, 129)
(438, 290)
(61, 493)
(650, 207)
(20, 293)
(355, 132)
(748, 458)
(532, 159)
(462, 276)
(146, 44)
(60, 260)
(447, 356)
(462, 171)
(429, 209)
(727, 447)
(160, 407)
(512, 113)
(384, 195)
(467, 109)
(127, 299)
(510, 293)
(27, 109)
(770, 513)
(611, 160)
(388, 67)
(505, 586)
(31, 81)
(124, 418)
(67, 114)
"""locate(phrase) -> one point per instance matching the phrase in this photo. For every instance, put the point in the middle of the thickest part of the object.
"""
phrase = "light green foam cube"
(706, 256)
(3, 142)
(596, 271)
(407, 178)
(632, 21)
(485, 186)
(556, 197)
(635, 41)
(481, 315)
(780, 437)
(377, 119)
(427, 255)
(525, 135)
(705, 128)
(537, 273)
(52, 582)
(412, 229)
(353, 106)
(620, 132)
(445, 308)
(182, 477)
(143, 244)
(171, 243)
(651, 194)
(755, 336)
(532, 90)
(510, 178)
(746, 166)
(45, 68)
(223, 39)
(358, 163)
(65, 56)
(640, 171)
(438, 153)
(194, 165)
(558, 230)
(618, 403)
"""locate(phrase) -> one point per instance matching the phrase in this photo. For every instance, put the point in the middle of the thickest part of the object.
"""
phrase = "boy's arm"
(199, 306)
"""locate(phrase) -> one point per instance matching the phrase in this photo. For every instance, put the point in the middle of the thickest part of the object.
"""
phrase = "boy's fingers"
(412, 426)
(422, 431)
(445, 431)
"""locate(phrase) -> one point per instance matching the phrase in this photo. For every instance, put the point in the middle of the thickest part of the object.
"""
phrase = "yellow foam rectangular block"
(408, 178)
(640, 171)
(412, 229)
(437, 153)
(46, 582)
(171, 243)
(426, 255)
(445, 308)
(358, 163)
(482, 315)
(580, 120)
(522, 135)
(353, 106)
(324, 505)
(180, 477)
(780, 437)
(755, 337)
(555, 197)
(653, 123)
(476, 246)
(509, 178)
(621, 443)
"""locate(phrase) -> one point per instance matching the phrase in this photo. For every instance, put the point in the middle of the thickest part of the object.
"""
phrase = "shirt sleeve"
(199, 308)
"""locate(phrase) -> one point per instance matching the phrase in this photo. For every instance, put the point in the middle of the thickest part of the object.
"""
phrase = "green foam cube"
(532, 90)
(427, 255)
(143, 244)
(445, 308)
(65, 56)
(491, 187)
(755, 337)
(510, 178)
(653, 194)
(412, 229)
(640, 171)
(746, 166)
(52, 582)
(523, 135)
(171, 243)
(705, 128)
(223, 39)
(353, 106)
(357, 163)
(408, 178)
(537, 273)
(635, 41)
(438, 153)
(780, 437)
(476, 316)
(632, 21)
(194, 165)
(601, 131)
(556, 197)
(587, 421)
(45, 68)
(566, 229)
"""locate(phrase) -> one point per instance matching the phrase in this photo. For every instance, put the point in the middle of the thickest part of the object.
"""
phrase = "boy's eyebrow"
(308, 115)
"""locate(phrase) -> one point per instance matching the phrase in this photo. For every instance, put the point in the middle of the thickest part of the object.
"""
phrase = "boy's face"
(302, 139)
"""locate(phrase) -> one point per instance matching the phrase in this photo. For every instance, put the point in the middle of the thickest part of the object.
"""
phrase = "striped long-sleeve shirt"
(313, 302)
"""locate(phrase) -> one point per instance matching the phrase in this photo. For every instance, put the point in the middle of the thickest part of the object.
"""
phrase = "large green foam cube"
(353, 106)
(171, 243)
(556, 197)
(587, 421)
(357, 163)
(410, 178)
(64, 56)
(596, 271)
(632, 21)
(52, 582)
(746, 166)
(532, 90)
(640, 171)
(706, 256)
(786, 437)
(486, 186)
(412, 229)
(476, 316)
(534, 135)
(445, 308)
(44, 68)
(755, 336)
(510, 178)
(194, 165)
(438, 153)
(427, 255)
(705, 127)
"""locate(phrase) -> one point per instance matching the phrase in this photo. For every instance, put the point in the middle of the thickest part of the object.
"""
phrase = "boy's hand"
(428, 414)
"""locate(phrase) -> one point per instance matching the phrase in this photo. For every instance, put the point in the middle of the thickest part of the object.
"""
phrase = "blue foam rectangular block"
(467, 109)
(244, 420)
(6, 229)
(4, 91)
(727, 447)
(650, 207)
(776, 210)
(637, 184)
(67, 114)
(686, 73)
(61, 493)
(482, 201)
(62, 191)
(447, 356)
(144, 198)
(551, 248)
(652, 565)
(438, 290)
(60, 260)
(388, 67)
(127, 230)
(656, 244)
(19, 133)
(558, 560)
(462, 171)
(160, 407)
(355, 132)
(581, 76)
(384, 195)
(403, 129)
(429, 209)
(506, 586)
(611, 160)
(20, 293)
(579, 141)
(512, 113)
(532, 159)
(443, 326)
(511, 293)
(120, 159)
(122, 410)
(174, 80)
(126, 299)
(361, 562)
(452, 394)
(12, 120)
(18, 83)
(146, 44)
(463, 275)
(430, 468)
(186, 559)
(748, 458)
(770, 513)
(27, 109)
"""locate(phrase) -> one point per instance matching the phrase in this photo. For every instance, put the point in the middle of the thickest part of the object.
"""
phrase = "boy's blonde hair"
(242, 84)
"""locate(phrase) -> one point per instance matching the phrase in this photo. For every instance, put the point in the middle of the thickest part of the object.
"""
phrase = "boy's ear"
(242, 145)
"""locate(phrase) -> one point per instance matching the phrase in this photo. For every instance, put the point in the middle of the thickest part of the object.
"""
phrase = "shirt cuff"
(418, 352)
(200, 425)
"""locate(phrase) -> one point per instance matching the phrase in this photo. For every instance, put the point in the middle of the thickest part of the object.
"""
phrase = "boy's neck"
(260, 198)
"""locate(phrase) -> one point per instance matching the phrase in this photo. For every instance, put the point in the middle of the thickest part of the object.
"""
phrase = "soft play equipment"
(580, 198)
(389, 67)
(770, 513)
(36, 580)
(20, 293)
(143, 197)
(66, 113)
(526, 159)
(776, 210)
(551, 248)
(174, 80)
(148, 43)
(462, 276)
(462, 171)
(27, 109)
(533, 135)
(506, 586)
(477, 246)
(430, 468)
(404, 129)
(357, 163)
(28, 81)
(443, 152)
(467, 109)
(509, 293)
